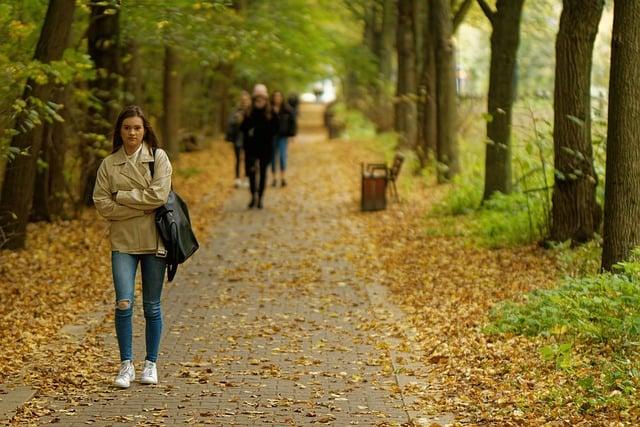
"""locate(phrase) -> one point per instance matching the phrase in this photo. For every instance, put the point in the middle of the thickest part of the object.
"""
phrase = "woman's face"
(260, 102)
(132, 132)
(277, 99)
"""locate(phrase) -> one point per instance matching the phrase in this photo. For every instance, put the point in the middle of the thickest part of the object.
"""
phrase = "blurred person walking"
(234, 134)
(259, 126)
(286, 128)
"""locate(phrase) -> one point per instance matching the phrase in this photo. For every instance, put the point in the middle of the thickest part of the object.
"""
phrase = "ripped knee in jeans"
(123, 304)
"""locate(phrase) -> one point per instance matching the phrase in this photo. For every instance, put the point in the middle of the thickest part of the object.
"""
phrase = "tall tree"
(505, 38)
(385, 40)
(446, 142)
(427, 90)
(575, 212)
(50, 182)
(103, 43)
(429, 112)
(18, 185)
(622, 183)
(171, 102)
(132, 70)
(406, 113)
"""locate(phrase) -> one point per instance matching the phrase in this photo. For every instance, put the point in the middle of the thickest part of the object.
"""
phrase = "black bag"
(174, 226)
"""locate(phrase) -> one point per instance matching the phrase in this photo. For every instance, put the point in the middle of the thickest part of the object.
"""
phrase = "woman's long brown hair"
(149, 134)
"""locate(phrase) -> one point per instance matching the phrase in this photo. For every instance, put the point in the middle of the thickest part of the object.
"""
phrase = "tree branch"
(458, 17)
(486, 9)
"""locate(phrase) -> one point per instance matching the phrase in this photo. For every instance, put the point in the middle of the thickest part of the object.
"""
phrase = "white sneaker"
(126, 375)
(238, 183)
(149, 373)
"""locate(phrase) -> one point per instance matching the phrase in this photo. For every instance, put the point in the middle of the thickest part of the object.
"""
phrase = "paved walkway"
(267, 325)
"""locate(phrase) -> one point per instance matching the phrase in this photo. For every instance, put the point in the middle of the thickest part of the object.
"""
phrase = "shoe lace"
(124, 370)
(147, 371)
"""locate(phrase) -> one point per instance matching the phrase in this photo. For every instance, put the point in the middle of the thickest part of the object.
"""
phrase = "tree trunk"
(385, 45)
(18, 185)
(103, 41)
(49, 190)
(134, 85)
(505, 39)
(406, 120)
(622, 183)
(446, 142)
(171, 103)
(575, 213)
(429, 118)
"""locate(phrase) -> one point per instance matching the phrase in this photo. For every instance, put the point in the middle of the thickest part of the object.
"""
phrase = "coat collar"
(139, 172)
(120, 157)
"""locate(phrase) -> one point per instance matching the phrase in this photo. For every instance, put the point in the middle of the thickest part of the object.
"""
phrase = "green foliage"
(592, 319)
(601, 307)
(505, 220)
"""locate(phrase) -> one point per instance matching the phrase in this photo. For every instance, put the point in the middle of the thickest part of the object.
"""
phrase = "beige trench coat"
(122, 193)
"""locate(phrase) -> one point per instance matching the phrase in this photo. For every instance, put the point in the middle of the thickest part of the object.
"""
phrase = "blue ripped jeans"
(123, 267)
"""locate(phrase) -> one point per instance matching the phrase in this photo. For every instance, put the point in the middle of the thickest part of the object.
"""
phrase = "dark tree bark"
(427, 107)
(103, 42)
(406, 114)
(622, 183)
(575, 213)
(133, 74)
(386, 37)
(48, 197)
(505, 39)
(447, 144)
(171, 102)
(18, 185)
(429, 125)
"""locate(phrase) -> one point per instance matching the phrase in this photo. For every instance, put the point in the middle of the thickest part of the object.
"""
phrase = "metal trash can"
(374, 186)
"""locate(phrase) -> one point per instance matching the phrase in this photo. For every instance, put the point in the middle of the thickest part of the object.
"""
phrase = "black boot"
(254, 201)
(260, 202)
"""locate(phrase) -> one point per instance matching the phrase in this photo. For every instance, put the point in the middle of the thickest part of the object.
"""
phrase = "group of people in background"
(260, 128)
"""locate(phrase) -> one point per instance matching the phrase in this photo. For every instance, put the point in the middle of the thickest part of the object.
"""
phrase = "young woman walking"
(233, 134)
(127, 196)
(259, 126)
(286, 128)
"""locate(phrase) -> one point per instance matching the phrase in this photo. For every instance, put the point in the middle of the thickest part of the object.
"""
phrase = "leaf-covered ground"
(447, 286)
(65, 272)
(309, 312)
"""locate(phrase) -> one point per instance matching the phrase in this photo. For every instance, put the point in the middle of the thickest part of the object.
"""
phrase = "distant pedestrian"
(294, 102)
(233, 133)
(318, 90)
(127, 195)
(286, 129)
(259, 127)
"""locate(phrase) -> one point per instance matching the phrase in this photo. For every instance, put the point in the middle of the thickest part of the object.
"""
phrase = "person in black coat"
(259, 127)
(286, 129)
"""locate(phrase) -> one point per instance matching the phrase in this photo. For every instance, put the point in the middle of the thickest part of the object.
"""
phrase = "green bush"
(599, 308)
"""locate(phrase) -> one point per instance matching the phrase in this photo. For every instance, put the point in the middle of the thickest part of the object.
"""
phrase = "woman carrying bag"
(127, 195)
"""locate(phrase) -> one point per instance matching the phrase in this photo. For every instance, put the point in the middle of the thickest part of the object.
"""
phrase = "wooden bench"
(394, 171)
